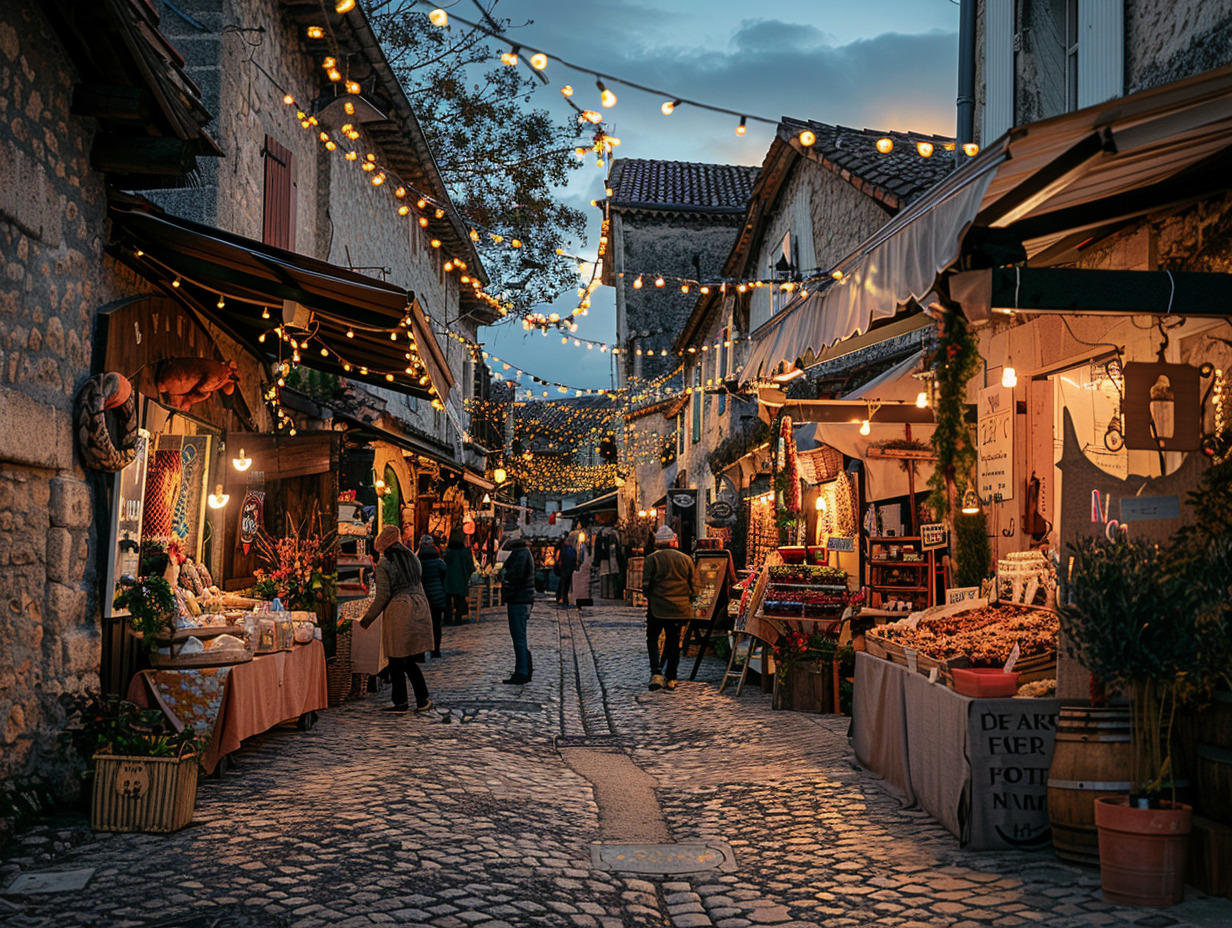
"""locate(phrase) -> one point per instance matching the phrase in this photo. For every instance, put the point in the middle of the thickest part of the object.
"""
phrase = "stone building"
(1039, 58)
(670, 222)
(61, 145)
(809, 207)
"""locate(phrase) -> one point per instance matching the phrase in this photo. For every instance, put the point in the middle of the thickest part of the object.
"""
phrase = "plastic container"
(984, 682)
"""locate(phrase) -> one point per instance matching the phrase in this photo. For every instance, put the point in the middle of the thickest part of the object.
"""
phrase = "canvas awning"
(252, 276)
(1054, 183)
(603, 503)
(370, 431)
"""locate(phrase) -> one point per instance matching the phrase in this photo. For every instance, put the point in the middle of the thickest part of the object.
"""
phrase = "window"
(278, 206)
(784, 264)
(697, 403)
(1100, 52)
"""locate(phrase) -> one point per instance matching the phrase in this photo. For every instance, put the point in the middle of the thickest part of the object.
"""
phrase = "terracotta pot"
(1142, 851)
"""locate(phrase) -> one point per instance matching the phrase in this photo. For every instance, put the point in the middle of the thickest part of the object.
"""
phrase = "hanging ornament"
(252, 517)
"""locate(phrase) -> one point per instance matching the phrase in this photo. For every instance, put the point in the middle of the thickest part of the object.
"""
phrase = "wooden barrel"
(1091, 759)
(1214, 760)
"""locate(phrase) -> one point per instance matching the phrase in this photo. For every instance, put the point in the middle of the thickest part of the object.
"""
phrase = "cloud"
(771, 35)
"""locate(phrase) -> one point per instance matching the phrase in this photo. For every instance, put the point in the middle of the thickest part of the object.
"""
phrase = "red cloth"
(268, 690)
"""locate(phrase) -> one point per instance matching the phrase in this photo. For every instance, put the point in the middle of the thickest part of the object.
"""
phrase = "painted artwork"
(186, 519)
(252, 517)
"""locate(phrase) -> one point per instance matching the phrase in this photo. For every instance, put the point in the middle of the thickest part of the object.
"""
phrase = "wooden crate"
(1209, 864)
(148, 794)
(806, 688)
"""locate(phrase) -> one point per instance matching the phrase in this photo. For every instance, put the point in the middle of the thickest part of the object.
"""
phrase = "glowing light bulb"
(423, 222)
(344, 6)
(1009, 376)
(925, 149)
(808, 138)
(510, 57)
(333, 74)
(316, 32)
(921, 399)
(288, 100)
(885, 144)
(348, 107)
(659, 281)
(606, 98)
(971, 150)
(353, 87)
(637, 284)
(866, 427)
(378, 179)
(438, 17)
(241, 462)
(176, 282)
(669, 107)
(743, 127)
(218, 498)
(538, 61)
(567, 90)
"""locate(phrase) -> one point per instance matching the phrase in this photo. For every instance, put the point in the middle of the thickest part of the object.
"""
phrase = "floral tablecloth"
(190, 698)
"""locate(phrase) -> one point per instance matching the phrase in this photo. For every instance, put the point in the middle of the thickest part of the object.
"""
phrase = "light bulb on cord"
(743, 127)
(499, 475)
(808, 138)
(218, 498)
(885, 144)
(1009, 376)
(668, 107)
(866, 428)
(606, 98)
(344, 6)
(538, 61)
(820, 505)
(921, 399)
(241, 462)
(438, 17)
(970, 502)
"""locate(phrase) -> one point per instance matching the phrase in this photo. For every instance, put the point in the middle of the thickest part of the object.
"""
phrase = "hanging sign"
(1142, 508)
(835, 543)
(252, 515)
(996, 444)
(932, 536)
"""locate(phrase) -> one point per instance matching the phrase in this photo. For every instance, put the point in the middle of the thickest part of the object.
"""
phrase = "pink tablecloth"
(269, 689)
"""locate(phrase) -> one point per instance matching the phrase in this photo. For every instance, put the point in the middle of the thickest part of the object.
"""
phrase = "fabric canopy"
(249, 274)
(604, 503)
(1054, 183)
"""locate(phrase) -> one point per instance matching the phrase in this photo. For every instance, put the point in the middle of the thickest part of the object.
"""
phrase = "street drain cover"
(50, 881)
(686, 857)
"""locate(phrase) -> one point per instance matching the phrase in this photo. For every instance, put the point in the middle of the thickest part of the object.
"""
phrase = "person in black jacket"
(434, 586)
(518, 591)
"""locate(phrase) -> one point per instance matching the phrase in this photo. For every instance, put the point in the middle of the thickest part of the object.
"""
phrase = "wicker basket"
(147, 794)
(338, 669)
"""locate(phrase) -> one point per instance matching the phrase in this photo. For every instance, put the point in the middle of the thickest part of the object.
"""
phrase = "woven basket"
(147, 794)
(338, 669)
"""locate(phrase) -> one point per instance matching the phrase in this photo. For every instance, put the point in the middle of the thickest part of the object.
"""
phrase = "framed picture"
(124, 557)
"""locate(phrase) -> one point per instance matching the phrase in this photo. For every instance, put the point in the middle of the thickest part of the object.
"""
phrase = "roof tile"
(650, 184)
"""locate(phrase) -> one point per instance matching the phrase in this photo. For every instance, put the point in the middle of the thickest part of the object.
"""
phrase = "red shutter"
(278, 212)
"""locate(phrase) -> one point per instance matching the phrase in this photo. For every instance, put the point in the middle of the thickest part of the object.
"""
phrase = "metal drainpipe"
(966, 79)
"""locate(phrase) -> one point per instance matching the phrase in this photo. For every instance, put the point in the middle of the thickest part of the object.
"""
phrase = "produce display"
(986, 635)
(808, 574)
(805, 591)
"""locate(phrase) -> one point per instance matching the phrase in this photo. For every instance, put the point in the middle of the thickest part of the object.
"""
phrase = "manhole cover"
(687, 857)
(50, 881)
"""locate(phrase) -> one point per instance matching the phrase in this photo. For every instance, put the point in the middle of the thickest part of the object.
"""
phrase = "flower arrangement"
(298, 567)
(797, 648)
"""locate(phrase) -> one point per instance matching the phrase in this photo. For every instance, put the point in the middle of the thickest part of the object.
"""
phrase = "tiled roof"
(680, 185)
(895, 178)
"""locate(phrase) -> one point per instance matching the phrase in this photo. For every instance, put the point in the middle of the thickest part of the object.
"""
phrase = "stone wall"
(666, 244)
(56, 278)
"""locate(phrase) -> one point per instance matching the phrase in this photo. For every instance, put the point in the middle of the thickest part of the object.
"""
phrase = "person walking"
(406, 630)
(434, 586)
(669, 583)
(518, 591)
(566, 563)
(459, 565)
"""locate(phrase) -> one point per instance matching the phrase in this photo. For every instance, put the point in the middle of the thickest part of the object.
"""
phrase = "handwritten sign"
(961, 594)
(835, 543)
(933, 536)
(1142, 508)
(996, 443)
(1009, 744)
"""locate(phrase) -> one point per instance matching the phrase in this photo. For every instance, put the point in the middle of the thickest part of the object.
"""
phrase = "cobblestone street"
(488, 813)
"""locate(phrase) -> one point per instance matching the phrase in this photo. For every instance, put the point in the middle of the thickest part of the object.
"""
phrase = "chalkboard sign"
(933, 536)
(714, 573)
(834, 543)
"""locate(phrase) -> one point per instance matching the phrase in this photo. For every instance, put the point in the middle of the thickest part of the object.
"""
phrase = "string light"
(885, 145)
(606, 98)
(344, 6)
(539, 61)
(743, 127)
(669, 107)
(925, 149)
(439, 17)
(808, 138)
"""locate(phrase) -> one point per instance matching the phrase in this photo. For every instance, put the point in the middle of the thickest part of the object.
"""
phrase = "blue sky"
(885, 64)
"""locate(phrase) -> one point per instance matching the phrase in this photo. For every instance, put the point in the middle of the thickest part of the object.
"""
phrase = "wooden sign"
(933, 535)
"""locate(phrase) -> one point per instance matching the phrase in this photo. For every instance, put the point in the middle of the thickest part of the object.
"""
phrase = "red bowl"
(984, 682)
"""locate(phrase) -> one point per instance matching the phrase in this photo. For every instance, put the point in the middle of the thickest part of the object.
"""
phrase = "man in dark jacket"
(669, 582)
(434, 586)
(518, 591)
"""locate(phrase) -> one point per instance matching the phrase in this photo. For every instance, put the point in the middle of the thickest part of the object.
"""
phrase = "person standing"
(459, 565)
(434, 586)
(669, 583)
(567, 563)
(406, 629)
(518, 591)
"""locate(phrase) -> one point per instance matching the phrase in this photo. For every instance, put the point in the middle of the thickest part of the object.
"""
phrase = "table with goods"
(933, 699)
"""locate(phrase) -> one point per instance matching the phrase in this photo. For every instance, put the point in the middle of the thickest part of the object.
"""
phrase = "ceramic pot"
(1142, 851)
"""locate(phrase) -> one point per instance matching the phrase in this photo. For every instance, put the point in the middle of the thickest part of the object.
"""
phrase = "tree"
(499, 156)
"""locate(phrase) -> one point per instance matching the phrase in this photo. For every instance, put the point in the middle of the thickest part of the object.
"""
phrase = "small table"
(255, 696)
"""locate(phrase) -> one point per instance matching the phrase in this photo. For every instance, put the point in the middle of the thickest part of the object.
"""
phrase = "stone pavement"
(508, 806)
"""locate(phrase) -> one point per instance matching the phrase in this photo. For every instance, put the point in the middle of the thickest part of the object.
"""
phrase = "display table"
(242, 700)
(977, 766)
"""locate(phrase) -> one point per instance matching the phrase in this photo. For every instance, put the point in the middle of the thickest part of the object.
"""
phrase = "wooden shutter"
(278, 209)
(998, 116)
(1101, 51)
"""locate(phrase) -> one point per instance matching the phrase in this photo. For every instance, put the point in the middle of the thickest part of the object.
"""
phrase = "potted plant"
(1139, 621)
(150, 603)
(144, 771)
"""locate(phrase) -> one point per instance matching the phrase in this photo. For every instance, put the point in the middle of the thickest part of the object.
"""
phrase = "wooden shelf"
(888, 561)
(900, 589)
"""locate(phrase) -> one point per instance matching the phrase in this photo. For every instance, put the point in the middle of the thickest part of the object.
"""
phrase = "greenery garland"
(954, 364)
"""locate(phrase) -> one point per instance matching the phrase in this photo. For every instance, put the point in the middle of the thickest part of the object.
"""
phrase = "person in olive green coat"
(459, 565)
(669, 582)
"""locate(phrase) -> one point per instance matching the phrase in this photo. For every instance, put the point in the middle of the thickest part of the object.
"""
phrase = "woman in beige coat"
(407, 627)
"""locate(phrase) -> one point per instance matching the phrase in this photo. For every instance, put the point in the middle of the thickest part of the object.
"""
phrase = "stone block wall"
(666, 244)
(55, 280)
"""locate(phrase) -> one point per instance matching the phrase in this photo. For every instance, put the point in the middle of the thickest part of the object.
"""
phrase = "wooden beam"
(137, 154)
(108, 101)
(1092, 292)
